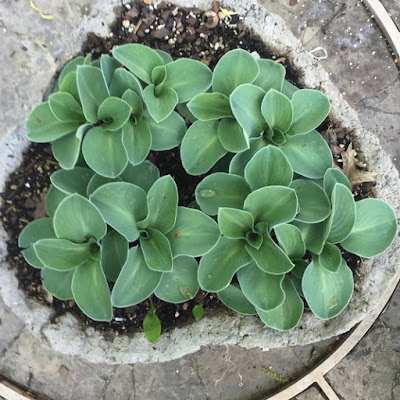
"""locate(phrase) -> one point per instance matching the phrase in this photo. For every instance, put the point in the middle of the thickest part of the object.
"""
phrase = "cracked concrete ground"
(361, 65)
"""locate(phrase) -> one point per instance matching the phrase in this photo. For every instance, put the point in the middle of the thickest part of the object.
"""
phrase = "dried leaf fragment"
(40, 11)
(227, 13)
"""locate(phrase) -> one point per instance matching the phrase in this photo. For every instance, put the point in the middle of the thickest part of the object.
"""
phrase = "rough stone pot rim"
(66, 336)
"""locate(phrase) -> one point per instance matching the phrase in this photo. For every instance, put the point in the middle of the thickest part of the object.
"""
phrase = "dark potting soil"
(182, 32)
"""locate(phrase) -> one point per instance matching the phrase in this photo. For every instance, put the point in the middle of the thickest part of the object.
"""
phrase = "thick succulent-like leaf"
(234, 68)
(142, 175)
(221, 190)
(343, 215)
(124, 80)
(104, 152)
(232, 136)
(271, 76)
(44, 127)
(263, 290)
(209, 106)
(91, 292)
(160, 105)
(53, 199)
(61, 254)
(313, 201)
(136, 282)
(288, 314)
(188, 78)
(246, 102)
(374, 229)
(114, 252)
(290, 240)
(193, 234)
(233, 297)
(272, 204)
(92, 90)
(65, 108)
(309, 154)
(114, 112)
(327, 293)
(330, 257)
(332, 177)
(156, 250)
(96, 181)
(217, 267)
(139, 59)
(269, 166)
(108, 66)
(73, 180)
(58, 283)
(137, 141)
(277, 110)
(234, 223)
(122, 205)
(180, 284)
(201, 147)
(77, 219)
(314, 235)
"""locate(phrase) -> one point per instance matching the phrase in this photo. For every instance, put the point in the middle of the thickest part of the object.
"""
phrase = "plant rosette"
(265, 229)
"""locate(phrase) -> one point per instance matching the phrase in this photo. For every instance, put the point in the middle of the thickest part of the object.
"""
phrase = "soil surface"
(182, 32)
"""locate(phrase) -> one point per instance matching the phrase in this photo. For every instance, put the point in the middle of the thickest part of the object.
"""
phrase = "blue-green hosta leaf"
(234, 223)
(114, 252)
(78, 220)
(96, 181)
(309, 154)
(188, 78)
(73, 180)
(136, 282)
(165, 56)
(272, 204)
(65, 108)
(158, 76)
(343, 215)
(209, 106)
(167, 134)
(263, 290)
(135, 102)
(70, 66)
(180, 284)
(104, 152)
(288, 314)
(137, 141)
(327, 293)
(330, 257)
(91, 292)
(122, 205)
(193, 234)
(233, 297)
(201, 147)
(160, 105)
(332, 177)
(290, 240)
(44, 127)
(92, 90)
(61, 254)
(310, 108)
(288, 89)
(156, 250)
(234, 68)
(232, 136)
(217, 267)
(277, 110)
(246, 102)
(70, 85)
(54, 197)
(185, 112)
(221, 190)
(139, 59)
(314, 235)
(142, 175)
(313, 201)
(58, 283)
(152, 326)
(114, 112)
(108, 66)
(269, 166)
(124, 80)
(271, 76)
(299, 267)
(374, 229)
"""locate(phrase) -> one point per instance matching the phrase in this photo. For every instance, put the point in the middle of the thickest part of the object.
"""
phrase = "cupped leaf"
(104, 152)
(193, 234)
(65, 108)
(180, 284)
(221, 190)
(374, 229)
(217, 267)
(143, 175)
(58, 283)
(234, 68)
(232, 136)
(188, 78)
(70, 85)
(70, 66)
(314, 235)
(139, 59)
(91, 292)
(330, 257)
(152, 326)
(73, 180)
(234, 223)
(114, 252)
(288, 314)
(136, 282)
(135, 102)
(332, 177)
(96, 181)
(209, 106)
(233, 297)
(160, 105)
(269, 166)
(54, 197)
(309, 155)
(108, 66)
(156, 250)
(137, 141)
(246, 102)
(201, 147)
(124, 80)
(263, 290)
(290, 240)
(271, 75)
(277, 110)
(327, 293)
(114, 112)
(121, 204)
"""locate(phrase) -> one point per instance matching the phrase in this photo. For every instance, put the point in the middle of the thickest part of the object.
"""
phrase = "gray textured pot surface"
(66, 336)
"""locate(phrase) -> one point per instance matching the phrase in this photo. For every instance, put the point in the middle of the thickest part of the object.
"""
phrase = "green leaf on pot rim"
(143, 175)
(114, 252)
(156, 250)
(209, 106)
(73, 180)
(290, 240)
(277, 110)
(233, 297)
(114, 112)
(332, 177)
(58, 283)
(271, 76)
(330, 257)
(234, 223)
(65, 108)
(197, 312)
(152, 326)
(160, 105)
(136, 139)
(232, 136)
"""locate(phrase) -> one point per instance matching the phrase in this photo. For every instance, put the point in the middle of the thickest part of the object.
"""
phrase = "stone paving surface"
(362, 67)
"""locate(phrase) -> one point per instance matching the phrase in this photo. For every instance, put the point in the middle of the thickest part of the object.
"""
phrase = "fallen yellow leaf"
(44, 16)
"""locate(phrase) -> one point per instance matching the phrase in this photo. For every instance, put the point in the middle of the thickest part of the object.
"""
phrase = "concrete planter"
(66, 336)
